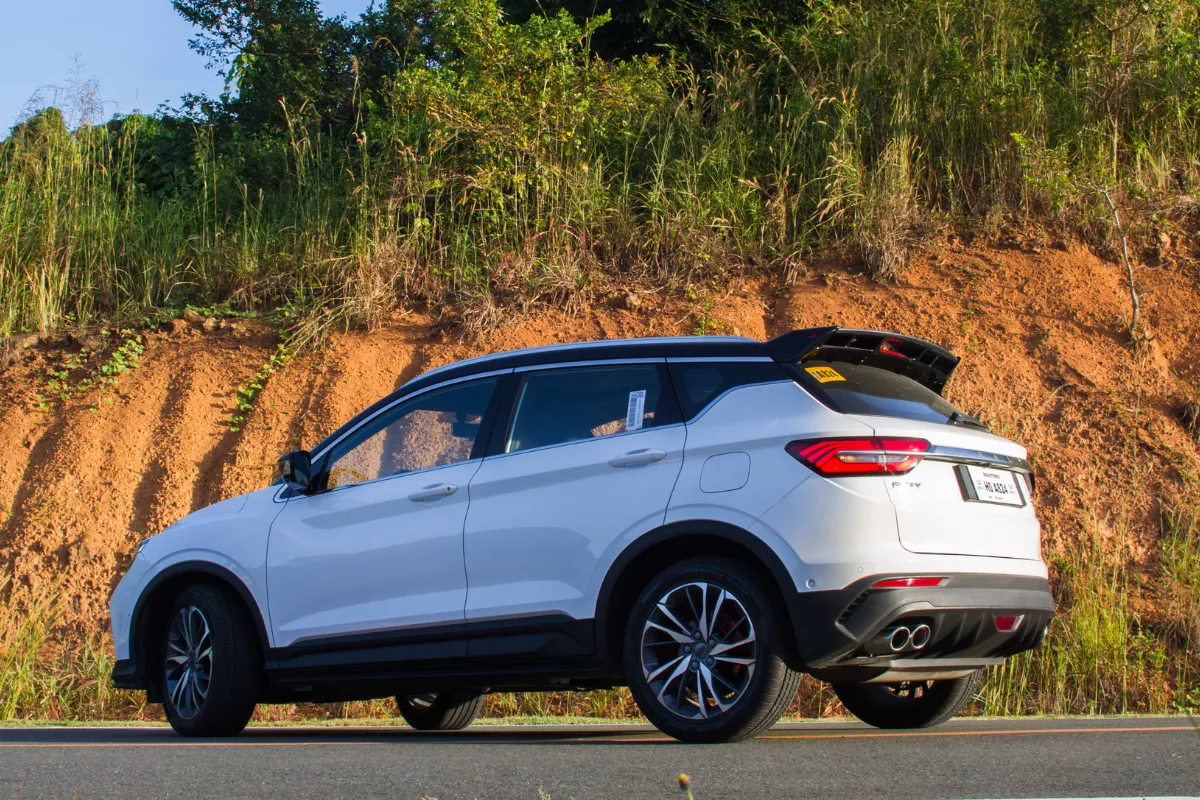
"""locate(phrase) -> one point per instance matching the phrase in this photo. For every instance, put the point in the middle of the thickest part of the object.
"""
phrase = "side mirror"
(296, 469)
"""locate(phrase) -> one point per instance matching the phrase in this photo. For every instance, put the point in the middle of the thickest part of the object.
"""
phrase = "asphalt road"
(1143, 757)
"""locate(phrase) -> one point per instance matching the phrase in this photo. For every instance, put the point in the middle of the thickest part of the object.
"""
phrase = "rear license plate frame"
(966, 482)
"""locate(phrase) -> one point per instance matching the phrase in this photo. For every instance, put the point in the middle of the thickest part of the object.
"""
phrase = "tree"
(273, 53)
(698, 28)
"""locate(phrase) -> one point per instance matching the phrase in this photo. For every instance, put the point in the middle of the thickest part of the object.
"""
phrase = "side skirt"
(538, 653)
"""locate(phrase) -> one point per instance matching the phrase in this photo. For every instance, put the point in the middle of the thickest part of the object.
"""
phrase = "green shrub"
(492, 165)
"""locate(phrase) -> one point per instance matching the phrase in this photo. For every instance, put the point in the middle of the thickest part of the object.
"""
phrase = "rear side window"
(857, 389)
(700, 383)
(573, 405)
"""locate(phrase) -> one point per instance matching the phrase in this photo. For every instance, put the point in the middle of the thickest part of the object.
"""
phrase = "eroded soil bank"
(1041, 332)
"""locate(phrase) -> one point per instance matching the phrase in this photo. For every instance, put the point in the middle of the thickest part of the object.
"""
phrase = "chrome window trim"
(600, 362)
(583, 441)
(718, 359)
(404, 399)
(382, 478)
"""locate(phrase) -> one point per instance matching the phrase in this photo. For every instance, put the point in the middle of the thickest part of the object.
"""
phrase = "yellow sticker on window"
(824, 374)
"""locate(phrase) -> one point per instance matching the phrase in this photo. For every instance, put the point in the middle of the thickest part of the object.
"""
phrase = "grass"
(1181, 597)
(1104, 655)
(40, 677)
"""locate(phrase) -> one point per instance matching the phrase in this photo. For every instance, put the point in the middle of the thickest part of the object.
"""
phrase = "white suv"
(701, 519)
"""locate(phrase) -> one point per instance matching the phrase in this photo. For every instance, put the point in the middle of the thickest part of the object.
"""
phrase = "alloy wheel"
(189, 661)
(698, 650)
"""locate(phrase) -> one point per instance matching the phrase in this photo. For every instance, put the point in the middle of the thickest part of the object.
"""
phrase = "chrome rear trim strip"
(962, 455)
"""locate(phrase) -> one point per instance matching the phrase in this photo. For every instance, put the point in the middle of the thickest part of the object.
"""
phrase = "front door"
(378, 548)
(589, 458)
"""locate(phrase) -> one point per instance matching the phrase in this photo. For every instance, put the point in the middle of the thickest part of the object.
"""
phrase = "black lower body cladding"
(839, 629)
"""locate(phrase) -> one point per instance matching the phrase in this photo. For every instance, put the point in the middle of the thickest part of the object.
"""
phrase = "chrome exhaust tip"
(920, 637)
(898, 639)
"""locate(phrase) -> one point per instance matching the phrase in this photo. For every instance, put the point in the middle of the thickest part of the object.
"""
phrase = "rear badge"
(824, 374)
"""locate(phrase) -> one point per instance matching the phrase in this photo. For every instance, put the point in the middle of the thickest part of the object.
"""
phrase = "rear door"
(588, 455)
(936, 512)
(970, 496)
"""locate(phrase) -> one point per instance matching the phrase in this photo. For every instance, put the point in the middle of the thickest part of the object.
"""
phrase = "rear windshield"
(856, 389)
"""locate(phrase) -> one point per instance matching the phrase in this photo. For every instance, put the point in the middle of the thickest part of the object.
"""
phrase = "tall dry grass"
(1105, 652)
(48, 673)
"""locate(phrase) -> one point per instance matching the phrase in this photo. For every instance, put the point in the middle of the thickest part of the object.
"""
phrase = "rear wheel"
(912, 704)
(440, 711)
(703, 653)
(211, 663)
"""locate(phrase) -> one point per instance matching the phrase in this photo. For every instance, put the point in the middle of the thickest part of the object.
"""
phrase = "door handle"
(636, 458)
(435, 492)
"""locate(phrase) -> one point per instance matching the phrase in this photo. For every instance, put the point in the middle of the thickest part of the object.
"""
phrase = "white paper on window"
(637, 410)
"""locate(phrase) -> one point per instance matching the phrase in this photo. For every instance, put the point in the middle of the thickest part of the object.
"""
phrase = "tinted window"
(432, 430)
(572, 405)
(700, 383)
(856, 389)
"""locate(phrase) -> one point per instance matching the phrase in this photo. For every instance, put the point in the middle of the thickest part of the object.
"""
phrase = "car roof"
(787, 347)
(608, 349)
(605, 349)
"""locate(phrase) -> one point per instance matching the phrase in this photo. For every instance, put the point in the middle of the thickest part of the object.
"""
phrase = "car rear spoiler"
(924, 362)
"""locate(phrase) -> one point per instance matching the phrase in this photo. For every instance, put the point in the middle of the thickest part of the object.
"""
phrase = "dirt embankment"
(1045, 362)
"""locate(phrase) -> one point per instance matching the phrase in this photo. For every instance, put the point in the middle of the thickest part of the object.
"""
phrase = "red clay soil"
(1045, 362)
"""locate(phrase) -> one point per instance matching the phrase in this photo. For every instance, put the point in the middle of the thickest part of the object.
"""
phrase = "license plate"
(990, 485)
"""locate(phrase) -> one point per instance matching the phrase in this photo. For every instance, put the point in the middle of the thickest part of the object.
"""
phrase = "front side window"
(576, 404)
(432, 430)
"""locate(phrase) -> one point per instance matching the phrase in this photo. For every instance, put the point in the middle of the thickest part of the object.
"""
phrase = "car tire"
(210, 663)
(440, 711)
(917, 704)
(733, 683)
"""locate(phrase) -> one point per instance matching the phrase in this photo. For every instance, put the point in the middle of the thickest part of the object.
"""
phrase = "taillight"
(907, 583)
(859, 456)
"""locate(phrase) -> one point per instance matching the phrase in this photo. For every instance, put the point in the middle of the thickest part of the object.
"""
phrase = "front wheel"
(440, 711)
(912, 704)
(211, 664)
(703, 653)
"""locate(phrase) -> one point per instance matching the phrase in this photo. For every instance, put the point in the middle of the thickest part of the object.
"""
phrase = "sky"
(136, 49)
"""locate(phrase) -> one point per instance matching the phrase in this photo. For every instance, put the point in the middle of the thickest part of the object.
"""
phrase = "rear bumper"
(838, 632)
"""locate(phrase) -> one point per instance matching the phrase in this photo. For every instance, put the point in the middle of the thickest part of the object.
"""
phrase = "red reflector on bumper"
(1008, 624)
(908, 583)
